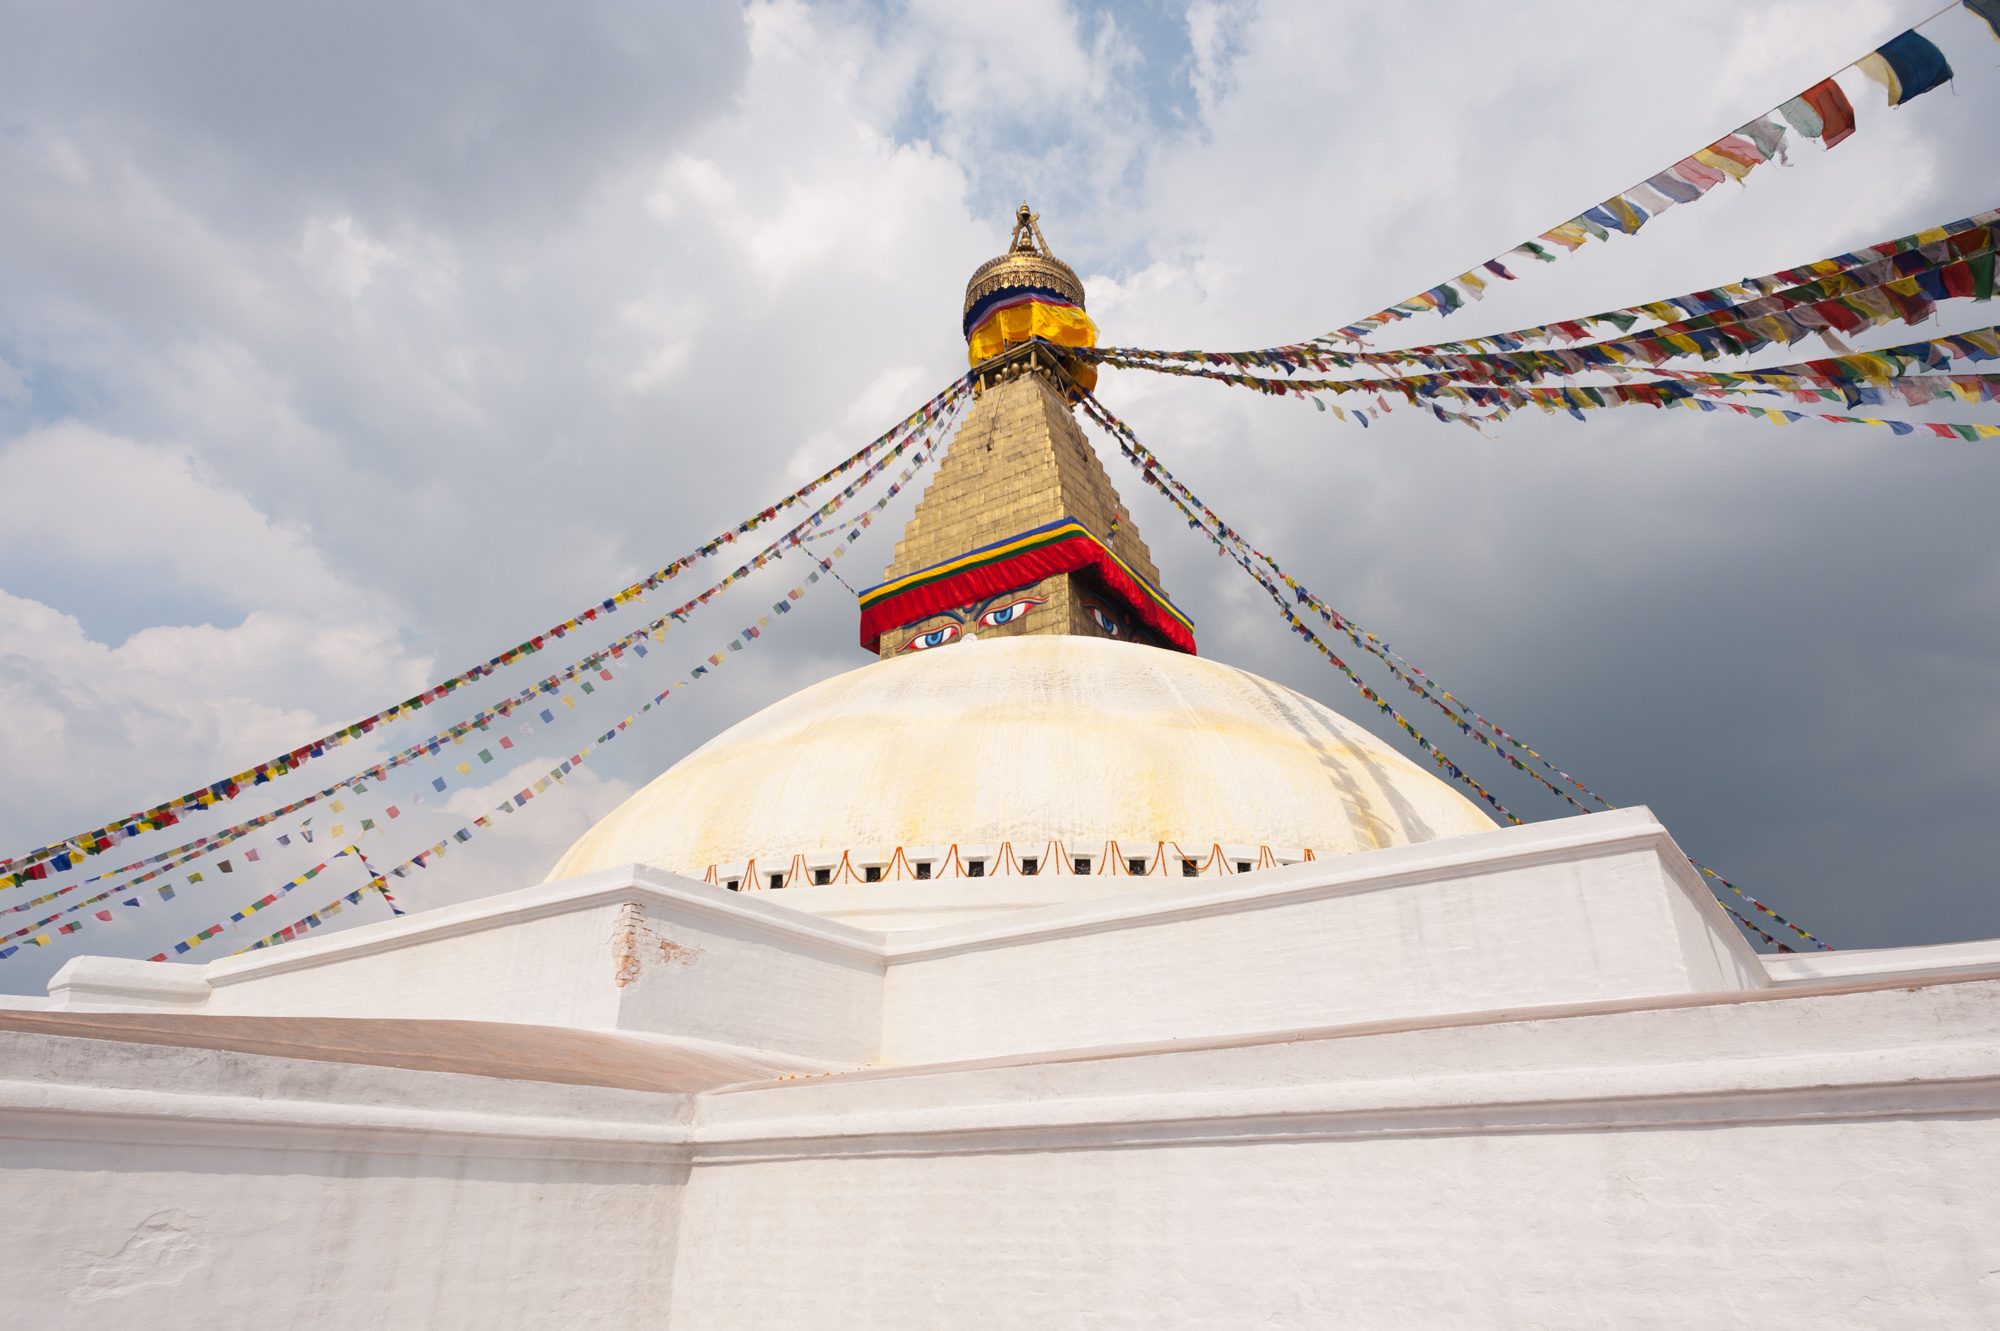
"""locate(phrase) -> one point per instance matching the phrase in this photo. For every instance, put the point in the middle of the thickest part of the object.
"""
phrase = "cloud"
(111, 510)
(342, 349)
(99, 728)
(475, 114)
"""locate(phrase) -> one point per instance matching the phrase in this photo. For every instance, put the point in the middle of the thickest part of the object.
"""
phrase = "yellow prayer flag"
(1629, 218)
(1729, 166)
(1769, 327)
(1876, 67)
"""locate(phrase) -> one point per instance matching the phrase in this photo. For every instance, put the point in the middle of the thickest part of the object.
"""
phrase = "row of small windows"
(1136, 866)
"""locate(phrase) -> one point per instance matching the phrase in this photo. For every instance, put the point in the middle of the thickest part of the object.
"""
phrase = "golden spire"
(1026, 264)
(1020, 531)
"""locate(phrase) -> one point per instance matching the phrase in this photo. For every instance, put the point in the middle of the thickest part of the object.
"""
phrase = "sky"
(343, 346)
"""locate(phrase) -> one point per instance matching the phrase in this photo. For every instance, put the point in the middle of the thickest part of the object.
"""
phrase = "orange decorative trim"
(1166, 862)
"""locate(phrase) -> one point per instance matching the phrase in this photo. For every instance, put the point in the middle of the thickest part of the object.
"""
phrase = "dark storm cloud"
(470, 114)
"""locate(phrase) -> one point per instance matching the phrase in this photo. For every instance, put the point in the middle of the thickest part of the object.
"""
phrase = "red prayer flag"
(1842, 318)
(1836, 113)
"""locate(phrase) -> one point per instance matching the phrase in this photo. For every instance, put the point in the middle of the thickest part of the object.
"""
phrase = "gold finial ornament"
(1026, 264)
(1028, 231)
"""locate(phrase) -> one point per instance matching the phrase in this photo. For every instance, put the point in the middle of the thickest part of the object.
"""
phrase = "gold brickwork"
(1020, 461)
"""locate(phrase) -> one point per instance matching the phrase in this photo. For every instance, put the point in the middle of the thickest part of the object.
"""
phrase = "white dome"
(1022, 742)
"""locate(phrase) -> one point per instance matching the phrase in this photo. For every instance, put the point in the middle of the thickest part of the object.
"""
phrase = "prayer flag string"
(424, 858)
(1904, 278)
(1856, 378)
(1882, 264)
(61, 856)
(1906, 66)
(1228, 541)
(546, 689)
(1151, 472)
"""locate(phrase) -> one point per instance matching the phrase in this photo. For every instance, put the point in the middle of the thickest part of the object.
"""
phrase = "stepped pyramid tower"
(1021, 491)
(1036, 717)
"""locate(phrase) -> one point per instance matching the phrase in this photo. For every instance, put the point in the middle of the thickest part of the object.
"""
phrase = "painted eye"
(936, 637)
(1105, 622)
(1007, 614)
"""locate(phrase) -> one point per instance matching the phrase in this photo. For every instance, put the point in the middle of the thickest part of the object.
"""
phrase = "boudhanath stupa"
(1040, 972)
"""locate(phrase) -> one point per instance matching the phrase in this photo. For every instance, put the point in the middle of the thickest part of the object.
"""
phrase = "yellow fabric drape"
(1064, 325)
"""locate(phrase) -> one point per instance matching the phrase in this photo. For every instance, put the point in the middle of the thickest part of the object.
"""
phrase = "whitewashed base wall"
(1525, 1079)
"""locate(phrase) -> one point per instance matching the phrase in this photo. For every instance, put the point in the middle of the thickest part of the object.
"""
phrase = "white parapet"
(1583, 910)
(122, 984)
(1589, 909)
(627, 949)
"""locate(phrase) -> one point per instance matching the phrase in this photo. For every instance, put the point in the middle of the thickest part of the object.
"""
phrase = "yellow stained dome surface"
(1026, 741)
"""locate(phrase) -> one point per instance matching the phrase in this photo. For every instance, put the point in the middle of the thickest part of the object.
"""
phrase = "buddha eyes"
(1104, 621)
(994, 618)
(1007, 614)
(937, 637)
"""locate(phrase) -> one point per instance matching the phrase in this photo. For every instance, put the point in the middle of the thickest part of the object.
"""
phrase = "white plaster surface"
(124, 984)
(704, 964)
(1980, 957)
(1754, 1160)
(178, 1188)
(1626, 1229)
(1552, 914)
(1530, 1078)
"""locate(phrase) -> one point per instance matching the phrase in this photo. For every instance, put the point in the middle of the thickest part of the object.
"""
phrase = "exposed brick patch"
(636, 944)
